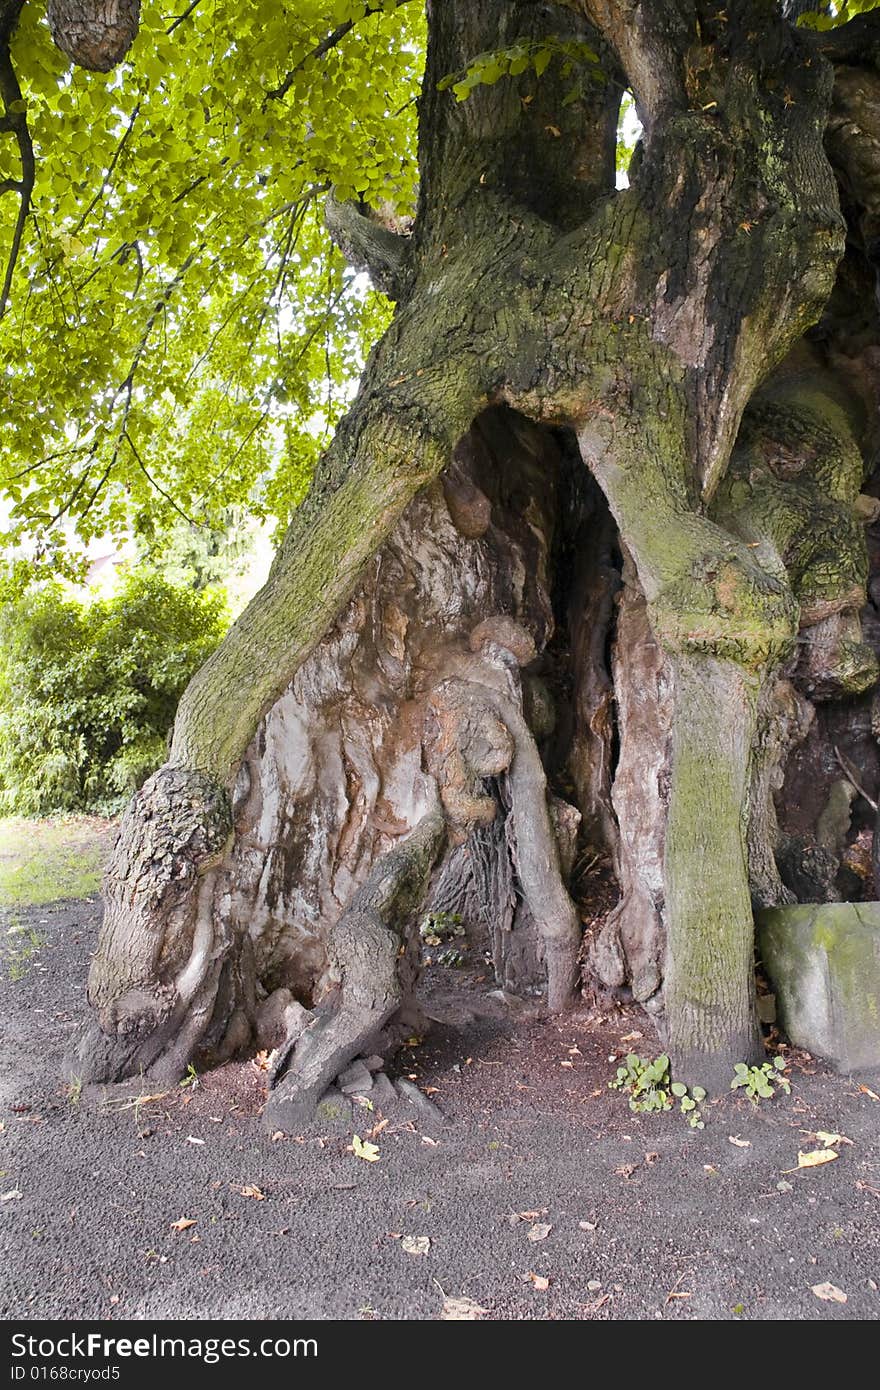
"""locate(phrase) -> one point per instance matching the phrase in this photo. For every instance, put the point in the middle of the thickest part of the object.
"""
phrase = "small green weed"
(437, 926)
(759, 1082)
(26, 945)
(650, 1088)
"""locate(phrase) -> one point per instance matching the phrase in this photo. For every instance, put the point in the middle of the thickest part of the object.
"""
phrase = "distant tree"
(88, 691)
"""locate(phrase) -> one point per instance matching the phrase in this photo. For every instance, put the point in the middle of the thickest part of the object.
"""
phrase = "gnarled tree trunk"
(431, 663)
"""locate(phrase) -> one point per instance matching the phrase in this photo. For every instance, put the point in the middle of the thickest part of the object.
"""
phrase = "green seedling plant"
(759, 1082)
(190, 1080)
(451, 956)
(437, 926)
(650, 1088)
(689, 1099)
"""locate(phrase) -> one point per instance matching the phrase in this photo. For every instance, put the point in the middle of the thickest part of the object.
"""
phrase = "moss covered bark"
(709, 993)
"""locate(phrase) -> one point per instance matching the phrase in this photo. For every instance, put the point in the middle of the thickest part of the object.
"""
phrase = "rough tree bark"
(96, 34)
(405, 653)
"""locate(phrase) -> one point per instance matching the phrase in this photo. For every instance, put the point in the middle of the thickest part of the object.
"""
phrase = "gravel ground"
(646, 1218)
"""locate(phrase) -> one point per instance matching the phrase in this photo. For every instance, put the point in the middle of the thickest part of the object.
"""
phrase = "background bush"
(88, 691)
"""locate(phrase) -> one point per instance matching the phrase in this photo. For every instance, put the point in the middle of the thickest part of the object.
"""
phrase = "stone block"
(823, 960)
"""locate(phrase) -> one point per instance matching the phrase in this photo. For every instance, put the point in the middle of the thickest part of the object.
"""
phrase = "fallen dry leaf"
(866, 1091)
(740, 1143)
(830, 1293)
(368, 1152)
(814, 1158)
(250, 1191)
(183, 1223)
(828, 1140)
(540, 1231)
(416, 1245)
(587, 1225)
(434, 1143)
(631, 1037)
(626, 1170)
(190, 1139)
(11, 1196)
(539, 1281)
(279, 1134)
(261, 1060)
(461, 1310)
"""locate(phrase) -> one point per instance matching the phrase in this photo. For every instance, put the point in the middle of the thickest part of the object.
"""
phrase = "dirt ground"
(647, 1219)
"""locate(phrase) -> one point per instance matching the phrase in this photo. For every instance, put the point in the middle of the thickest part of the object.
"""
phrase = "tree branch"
(367, 245)
(15, 121)
(110, 169)
(856, 42)
(338, 34)
(158, 486)
(181, 17)
(650, 49)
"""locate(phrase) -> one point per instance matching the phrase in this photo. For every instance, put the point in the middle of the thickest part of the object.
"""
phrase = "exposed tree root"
(372, 955)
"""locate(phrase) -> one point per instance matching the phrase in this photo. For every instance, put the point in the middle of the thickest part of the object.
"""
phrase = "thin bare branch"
(181, 17)
(105, 182)
(326, 44)
(158, 486)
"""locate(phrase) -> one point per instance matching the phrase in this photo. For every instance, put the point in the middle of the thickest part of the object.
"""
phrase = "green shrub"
(88, 691)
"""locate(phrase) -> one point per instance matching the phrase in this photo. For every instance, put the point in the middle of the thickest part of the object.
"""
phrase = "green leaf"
(541, 60)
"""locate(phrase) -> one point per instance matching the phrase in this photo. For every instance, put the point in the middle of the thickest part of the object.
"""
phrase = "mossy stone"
(824, 962)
